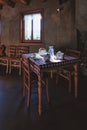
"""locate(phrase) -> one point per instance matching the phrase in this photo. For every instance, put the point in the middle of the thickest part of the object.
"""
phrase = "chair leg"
(20, 68)
(24, 86)
(7, 69)
(10, 68)
(28, 99)
(29, 92)
(20, 71)
(69, 85)
(51, 74)
(24, 92)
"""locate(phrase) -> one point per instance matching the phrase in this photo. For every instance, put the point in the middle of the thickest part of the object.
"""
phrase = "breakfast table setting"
(48, 60)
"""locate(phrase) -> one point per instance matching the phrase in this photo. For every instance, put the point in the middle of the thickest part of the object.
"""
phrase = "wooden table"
(38, 66)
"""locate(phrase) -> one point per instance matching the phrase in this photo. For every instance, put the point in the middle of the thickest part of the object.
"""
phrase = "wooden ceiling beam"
(3, 2)
(13, 2)
(20, 1)
(23, 1)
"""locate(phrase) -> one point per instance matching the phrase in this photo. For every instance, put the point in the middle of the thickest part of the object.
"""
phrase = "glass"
(51, 51)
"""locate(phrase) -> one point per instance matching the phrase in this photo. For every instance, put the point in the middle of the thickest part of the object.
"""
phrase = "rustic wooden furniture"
(38, 66)
(29, 77)
(67, 72)
(15, 57)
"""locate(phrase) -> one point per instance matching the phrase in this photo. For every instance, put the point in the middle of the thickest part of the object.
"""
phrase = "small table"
(38, 66)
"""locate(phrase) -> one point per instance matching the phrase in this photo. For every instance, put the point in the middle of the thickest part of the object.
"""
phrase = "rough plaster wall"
(5, 32)
(82, 15)
(81, 20)
(59, 27)
(9, 25)
(67, 31)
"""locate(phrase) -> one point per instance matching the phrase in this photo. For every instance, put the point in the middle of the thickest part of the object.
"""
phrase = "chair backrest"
(21, 50)
(73, 52)
(17, 51)
(26, 67)
(12, 50)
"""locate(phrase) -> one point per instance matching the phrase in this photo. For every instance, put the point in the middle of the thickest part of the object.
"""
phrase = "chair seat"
(14, 58)
(67, 71)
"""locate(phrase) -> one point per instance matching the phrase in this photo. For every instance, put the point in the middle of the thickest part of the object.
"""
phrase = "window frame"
(22, 39)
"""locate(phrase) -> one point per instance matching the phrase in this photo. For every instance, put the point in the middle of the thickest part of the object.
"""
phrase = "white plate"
(43, 54)
(54, 61)
(37, 56)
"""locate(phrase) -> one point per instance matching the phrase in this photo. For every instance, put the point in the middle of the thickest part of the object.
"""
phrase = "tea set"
(49, 55)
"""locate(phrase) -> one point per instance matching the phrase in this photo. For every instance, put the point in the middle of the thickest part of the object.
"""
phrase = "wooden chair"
(13, 60)
(30, 80)
(67, 72)
(21, 50)
(15, 54)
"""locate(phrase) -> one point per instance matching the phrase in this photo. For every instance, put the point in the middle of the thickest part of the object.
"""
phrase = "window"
(32, 27)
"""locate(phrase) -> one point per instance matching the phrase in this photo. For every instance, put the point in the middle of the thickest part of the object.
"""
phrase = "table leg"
(39, 95)
(7, 68)
(76, 79)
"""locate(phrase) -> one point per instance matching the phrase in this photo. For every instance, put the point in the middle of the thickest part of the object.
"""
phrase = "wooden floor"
(63, 112)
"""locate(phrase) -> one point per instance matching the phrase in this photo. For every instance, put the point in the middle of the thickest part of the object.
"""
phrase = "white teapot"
(59, 55)
(42, 52)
